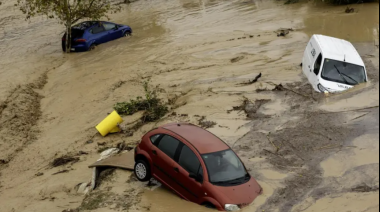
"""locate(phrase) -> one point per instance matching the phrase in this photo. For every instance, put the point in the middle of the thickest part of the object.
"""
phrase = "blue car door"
(112, 30)
(99, 34)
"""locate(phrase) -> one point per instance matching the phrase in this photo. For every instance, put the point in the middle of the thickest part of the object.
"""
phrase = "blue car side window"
(97, 30)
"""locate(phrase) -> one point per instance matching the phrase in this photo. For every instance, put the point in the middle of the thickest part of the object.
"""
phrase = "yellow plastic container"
(110, 124)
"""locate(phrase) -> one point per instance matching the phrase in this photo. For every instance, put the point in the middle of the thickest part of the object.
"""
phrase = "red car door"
(189, 174)
(163, 153)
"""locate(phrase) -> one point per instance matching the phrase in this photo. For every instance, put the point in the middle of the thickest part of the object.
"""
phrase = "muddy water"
(187, 47)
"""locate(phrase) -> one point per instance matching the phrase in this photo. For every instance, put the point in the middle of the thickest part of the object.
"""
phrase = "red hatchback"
(197, 165)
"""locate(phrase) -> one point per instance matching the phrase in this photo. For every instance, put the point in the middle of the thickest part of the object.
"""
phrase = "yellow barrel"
(110, 124)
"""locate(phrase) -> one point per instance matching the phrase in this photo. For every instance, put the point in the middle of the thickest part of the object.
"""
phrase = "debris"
(365, 189)
(108, 153)
(251, 36)
(82, 187)
(64, 160)
(101, 143)
(82, 153)
(89, 142)
(124, 147)
(237, 59)
(39, 174)
(61, 172)
(252, 81)
(281, 88)
(350, 10)
(2, 161)
(249, 107)
(206, 124)
(283, 32)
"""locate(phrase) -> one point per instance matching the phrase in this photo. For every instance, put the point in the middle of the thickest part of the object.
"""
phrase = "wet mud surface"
(310, 152)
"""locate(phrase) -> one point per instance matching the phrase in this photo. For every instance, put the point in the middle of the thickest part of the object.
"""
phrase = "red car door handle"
(176, 170)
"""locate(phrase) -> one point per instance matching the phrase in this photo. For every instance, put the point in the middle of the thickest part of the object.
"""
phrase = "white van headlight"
(322, 89)
(230, 207)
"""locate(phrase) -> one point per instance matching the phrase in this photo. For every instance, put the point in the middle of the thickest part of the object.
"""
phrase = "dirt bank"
(304, 149)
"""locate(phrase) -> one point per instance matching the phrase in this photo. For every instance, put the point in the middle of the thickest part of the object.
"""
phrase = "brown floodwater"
(186, 46)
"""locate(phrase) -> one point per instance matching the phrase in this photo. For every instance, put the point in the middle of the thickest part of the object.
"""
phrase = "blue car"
(87, 35)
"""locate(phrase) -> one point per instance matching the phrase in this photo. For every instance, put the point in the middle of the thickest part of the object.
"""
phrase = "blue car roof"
(87, 25)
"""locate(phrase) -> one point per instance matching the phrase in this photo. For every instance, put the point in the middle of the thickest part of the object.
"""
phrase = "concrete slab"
(123, 161)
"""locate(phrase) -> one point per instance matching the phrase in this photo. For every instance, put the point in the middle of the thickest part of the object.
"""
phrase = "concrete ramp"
(122, 161)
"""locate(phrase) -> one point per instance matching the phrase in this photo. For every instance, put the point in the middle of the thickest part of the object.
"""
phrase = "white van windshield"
(341, 72)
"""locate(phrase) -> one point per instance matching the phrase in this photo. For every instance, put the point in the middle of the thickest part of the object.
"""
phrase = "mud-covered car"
(87, 35)
(196, 165)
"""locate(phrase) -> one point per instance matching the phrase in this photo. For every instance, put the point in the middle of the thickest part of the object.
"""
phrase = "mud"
(19, 114)
(308, 151)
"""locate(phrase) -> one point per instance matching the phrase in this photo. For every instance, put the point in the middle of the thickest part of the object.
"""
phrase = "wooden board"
(123, 161)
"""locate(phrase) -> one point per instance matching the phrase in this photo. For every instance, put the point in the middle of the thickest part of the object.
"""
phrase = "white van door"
(308, 59)
(315, 71)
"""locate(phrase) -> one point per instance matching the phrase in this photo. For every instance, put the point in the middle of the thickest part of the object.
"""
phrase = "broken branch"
(288, 89)
(252, 81)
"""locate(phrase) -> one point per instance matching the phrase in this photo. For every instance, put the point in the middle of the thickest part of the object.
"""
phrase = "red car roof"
(204, 141)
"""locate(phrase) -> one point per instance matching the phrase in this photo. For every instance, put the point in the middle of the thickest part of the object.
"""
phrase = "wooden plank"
(123, 161)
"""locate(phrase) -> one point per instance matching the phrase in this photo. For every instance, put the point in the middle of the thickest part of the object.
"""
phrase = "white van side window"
(318, 65)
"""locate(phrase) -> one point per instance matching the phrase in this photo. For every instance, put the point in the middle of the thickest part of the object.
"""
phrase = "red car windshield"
(225, 168)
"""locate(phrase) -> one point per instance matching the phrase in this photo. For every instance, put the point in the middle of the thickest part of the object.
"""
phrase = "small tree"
(69, 12)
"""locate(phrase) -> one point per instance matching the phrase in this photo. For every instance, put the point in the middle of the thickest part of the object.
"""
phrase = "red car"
(196, 165)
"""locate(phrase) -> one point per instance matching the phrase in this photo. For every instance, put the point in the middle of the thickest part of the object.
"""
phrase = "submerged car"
(333, 65)
(87, 35)
(196, 165)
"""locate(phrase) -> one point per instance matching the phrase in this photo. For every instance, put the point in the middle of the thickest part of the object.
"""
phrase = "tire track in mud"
(19, 115)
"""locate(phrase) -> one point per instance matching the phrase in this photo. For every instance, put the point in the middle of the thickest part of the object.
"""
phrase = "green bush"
(153, 107)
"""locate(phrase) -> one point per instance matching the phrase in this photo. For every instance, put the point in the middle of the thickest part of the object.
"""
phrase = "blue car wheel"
(92, 47)
(127, 33)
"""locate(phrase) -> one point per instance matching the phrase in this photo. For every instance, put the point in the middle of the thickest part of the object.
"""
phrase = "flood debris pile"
(350, 10)
(206, 124)
(283, 32)
(250, 108)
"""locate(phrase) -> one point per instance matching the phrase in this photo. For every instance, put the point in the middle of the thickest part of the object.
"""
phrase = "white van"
(333, 65)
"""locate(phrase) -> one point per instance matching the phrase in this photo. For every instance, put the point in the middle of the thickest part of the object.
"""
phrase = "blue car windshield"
(225, 168)
(345, 73)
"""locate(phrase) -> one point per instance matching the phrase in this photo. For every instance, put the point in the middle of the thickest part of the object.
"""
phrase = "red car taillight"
(81, 41)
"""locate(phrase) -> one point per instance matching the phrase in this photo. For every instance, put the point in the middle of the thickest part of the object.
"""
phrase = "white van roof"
(338, 49)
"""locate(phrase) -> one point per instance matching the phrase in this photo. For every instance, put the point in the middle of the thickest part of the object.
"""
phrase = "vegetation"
(153, 107)
(69, 12)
